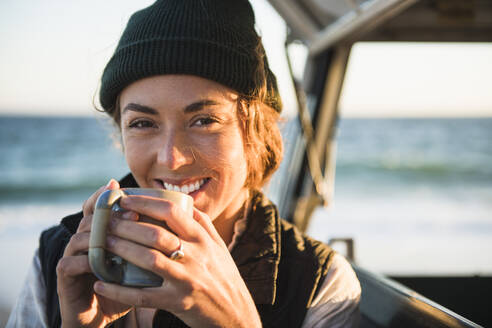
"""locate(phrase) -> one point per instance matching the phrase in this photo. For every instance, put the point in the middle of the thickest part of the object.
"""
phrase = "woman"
(190, 90)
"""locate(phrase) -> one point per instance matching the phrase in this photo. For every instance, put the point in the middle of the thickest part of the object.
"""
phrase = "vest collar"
(257, 252)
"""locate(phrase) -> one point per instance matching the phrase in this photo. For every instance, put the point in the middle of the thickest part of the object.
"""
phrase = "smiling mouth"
(185, 188)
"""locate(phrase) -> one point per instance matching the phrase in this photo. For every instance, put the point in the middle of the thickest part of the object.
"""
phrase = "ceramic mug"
(112, 268)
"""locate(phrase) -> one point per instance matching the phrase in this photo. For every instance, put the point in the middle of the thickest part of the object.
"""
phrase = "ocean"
(415, 194)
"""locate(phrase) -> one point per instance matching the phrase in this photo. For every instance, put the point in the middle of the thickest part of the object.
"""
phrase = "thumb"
(204, 220)
(112, 184)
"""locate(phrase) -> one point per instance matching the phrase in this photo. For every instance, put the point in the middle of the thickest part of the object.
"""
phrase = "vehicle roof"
(323, 23)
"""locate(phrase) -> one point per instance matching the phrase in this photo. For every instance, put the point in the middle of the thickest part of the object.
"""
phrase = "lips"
(186, 188)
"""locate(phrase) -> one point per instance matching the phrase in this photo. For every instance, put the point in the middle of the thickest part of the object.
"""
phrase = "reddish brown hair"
(262, 140)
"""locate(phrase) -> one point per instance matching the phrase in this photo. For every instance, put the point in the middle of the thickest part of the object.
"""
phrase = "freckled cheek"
(137, 155)
(221, 152)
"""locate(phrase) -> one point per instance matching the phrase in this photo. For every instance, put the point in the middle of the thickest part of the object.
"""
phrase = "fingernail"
(98, 287)
(109, 183)
(130, 215)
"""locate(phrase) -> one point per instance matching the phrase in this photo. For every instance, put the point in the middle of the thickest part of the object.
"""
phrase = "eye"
(204, 121)
(141, 124)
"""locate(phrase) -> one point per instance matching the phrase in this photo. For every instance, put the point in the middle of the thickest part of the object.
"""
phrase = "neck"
(225, 223)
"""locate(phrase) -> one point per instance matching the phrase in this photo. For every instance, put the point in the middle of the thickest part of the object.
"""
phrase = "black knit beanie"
(213, 39)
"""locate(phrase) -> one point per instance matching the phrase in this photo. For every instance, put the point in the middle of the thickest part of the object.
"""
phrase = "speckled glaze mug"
(112, 268)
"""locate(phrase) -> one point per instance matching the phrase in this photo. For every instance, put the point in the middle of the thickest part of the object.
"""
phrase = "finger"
(146, 258)
(147, 234)
(79, 243)
(85, 224)
(88, 207)
(139, 297)
(163, 210)
(204, 220)
(72, 266)
(129, 215)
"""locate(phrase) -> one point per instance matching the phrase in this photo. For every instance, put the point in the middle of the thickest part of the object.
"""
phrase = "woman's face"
(181, 132)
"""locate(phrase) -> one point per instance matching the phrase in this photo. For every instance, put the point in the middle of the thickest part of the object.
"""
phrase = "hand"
(203, 289)
(79, 305)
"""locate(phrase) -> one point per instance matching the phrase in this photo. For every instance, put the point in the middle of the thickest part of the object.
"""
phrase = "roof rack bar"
(369, 15)
(296, 18)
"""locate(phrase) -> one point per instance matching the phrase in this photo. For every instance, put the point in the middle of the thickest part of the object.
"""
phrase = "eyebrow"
(199, 105)
(191, 108)
(140, 108)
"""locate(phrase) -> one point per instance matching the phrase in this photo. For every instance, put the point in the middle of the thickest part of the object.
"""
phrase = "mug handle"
(97, 242)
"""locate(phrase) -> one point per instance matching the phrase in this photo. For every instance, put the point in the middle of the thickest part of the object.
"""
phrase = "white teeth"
(186, 188)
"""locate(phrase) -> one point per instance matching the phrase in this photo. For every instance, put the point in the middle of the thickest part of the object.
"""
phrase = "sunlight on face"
(181, 133)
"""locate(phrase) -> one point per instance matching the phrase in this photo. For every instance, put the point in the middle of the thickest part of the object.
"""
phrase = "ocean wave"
(417, 168)
(20, 192)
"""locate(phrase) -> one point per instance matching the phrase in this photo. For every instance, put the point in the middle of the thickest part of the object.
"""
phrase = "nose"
(174, 152)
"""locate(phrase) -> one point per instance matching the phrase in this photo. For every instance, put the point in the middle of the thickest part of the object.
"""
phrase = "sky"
(53, 53)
